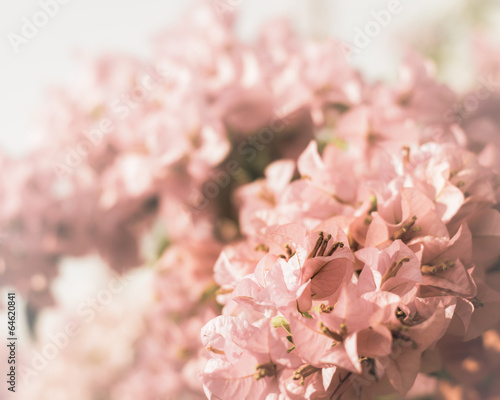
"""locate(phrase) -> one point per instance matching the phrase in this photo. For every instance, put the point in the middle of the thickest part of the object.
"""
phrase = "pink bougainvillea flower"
(408, 216)
(395, 269)
(328, 265)
(248, 358)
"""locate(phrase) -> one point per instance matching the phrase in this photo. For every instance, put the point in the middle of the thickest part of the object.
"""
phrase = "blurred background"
(91, 28)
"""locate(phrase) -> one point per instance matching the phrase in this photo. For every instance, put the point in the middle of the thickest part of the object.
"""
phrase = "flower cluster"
(362, 263)
(347, 296)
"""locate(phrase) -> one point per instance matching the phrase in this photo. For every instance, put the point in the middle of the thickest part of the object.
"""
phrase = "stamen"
(370, 363)
(338, 337)
(373, 204)
(428, 270)
(322, 249)
(262, 247)
(335, 246)
(352, 243)
(434, 269)
(289, 253)
(393, 269)
(412, 320)
(316, 246)
(224, 291)
(460, 184)
(325, 309)
(216, 351)
(447, 264)
(303, 372)
(339, 200)
(343, 330)
(403, 339)
(477, 302)
(400, 314)
(406, 154)
(263, 370)
(401, 231)
(371, 137)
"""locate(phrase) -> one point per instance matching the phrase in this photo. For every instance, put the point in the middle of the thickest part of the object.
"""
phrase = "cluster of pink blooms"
(351, 276)
(116, 156)
(327, 237)
(371, 261)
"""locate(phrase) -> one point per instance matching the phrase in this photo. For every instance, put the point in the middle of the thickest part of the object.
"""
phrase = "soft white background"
(96, 26)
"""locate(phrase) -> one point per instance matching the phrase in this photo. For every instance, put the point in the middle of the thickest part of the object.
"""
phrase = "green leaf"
(306, 314)
(443, 374)
(280, 321)
(339, 143)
